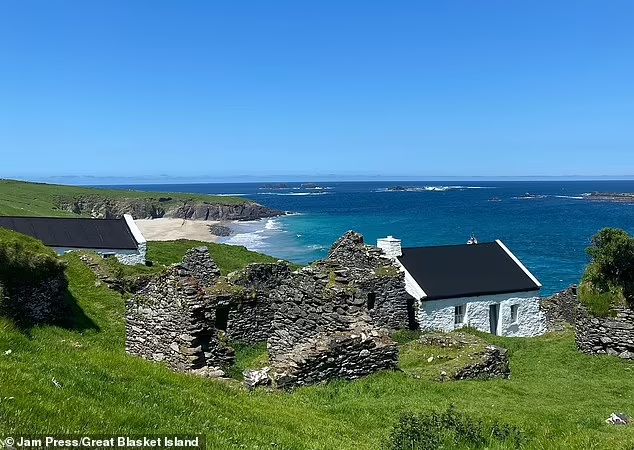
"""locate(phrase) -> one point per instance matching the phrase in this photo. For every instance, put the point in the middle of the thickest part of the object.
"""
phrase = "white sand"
(171, 229)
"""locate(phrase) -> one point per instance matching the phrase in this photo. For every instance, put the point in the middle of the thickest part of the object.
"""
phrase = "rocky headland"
(153, 208)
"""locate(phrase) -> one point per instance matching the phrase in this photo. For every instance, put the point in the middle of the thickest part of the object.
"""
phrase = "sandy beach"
(165, 229)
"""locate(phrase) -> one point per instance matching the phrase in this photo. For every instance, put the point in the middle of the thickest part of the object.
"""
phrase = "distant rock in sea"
(275, 186)
(611, 197)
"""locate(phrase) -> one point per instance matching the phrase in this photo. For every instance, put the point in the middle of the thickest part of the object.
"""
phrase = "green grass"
(415, 357)
(19, 198)
(228, 257)
(558, 396)
(600, 303)
(248, 357)
(25, 258)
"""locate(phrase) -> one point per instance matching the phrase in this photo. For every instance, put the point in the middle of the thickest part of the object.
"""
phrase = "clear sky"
(180, 88)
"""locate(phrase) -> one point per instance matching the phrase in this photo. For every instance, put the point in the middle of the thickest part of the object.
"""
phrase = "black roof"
(107, 234)
(453, 271)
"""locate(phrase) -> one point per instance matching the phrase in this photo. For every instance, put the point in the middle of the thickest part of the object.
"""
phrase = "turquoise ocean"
(548, 230)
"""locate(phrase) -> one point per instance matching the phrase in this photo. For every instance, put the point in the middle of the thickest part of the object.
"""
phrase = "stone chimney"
(390, 245)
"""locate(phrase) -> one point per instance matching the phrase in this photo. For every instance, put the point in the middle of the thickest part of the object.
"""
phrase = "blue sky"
(421, 88)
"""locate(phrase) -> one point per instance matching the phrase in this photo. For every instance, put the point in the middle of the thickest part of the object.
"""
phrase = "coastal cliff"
(21, 198)
(152, 208)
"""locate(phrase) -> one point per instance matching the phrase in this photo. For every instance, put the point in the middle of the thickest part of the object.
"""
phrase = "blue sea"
(548, 230)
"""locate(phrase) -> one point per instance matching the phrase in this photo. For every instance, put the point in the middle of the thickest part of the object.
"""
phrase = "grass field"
(558, 396)
(19, 198)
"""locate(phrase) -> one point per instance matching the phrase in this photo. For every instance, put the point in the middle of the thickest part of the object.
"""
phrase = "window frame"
(460, 313)
(515, 313)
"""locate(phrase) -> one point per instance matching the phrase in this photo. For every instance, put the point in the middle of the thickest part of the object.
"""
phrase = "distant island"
(311, 186)
(275, 186)
(610, 197)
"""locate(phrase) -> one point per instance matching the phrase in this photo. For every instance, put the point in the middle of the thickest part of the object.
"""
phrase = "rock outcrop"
(152, 208)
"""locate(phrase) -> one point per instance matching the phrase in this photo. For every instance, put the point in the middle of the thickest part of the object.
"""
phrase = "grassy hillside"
(227, 257)
(19, 198)
(558, 396)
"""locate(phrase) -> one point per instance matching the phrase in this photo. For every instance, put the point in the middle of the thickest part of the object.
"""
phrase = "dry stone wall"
(200, 265)
(612, 335)
(35, 302)
(560, 309)
(346, 355)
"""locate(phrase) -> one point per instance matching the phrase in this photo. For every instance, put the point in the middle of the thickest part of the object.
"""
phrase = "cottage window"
(371, 300)
(459, 314)
(514, 309)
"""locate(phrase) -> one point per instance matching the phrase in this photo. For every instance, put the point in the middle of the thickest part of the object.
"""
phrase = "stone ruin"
(328, 320)
(332, 318)
(172, 319)
(610, 335)
(185, 316)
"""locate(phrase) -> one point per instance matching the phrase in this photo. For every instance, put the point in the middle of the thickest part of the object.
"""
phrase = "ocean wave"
(318, 247)
(529, 197)
(272, 224)
(252, 241)
(431, 188)
(576, 197)
(229, 195)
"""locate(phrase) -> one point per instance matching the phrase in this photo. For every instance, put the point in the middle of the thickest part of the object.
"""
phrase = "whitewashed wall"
(440, 314)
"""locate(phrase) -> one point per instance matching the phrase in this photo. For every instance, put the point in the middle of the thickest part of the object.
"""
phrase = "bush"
(450, 429)
(609, 278)
(23, 258)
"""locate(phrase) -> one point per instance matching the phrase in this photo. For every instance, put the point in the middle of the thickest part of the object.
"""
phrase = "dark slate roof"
(107, 234)
(453, 271)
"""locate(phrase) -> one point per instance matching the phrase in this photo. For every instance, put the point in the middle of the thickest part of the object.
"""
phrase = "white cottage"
(481, 285)
(120, 238)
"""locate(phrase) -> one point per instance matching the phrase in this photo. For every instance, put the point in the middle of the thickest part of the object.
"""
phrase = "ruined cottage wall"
(250, 318)
(198, 262)
(375, 273)
(613, 335)
(393, 307)
(34, 302)
(309, 303)
(559, 309)
(172, 320)
(347, 355)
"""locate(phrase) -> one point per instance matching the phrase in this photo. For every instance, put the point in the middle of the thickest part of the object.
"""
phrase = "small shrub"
(450, 429)
(608, 280)
(404, 336)
(600, 303)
